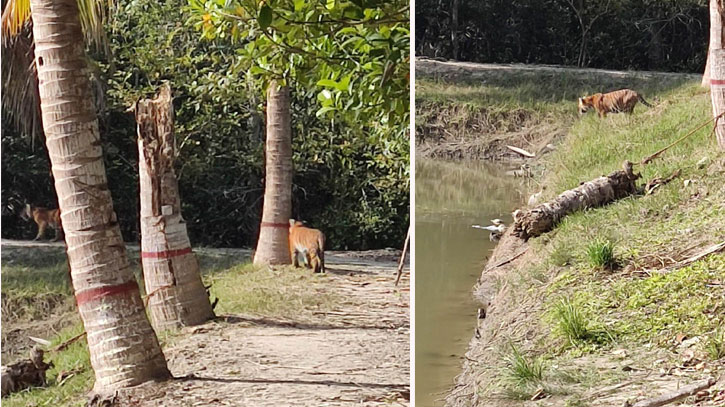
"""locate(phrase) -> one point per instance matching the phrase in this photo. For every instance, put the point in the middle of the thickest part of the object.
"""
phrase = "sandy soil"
(358, 354)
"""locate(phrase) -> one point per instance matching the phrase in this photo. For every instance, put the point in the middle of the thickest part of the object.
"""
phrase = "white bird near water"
(496, 229)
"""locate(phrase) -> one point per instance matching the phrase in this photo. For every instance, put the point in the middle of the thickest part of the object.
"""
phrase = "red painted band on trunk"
(99, 292)
(165, 254)
(717, 81)
(275, 225)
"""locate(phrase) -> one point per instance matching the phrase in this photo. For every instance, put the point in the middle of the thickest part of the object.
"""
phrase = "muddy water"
(449, 256)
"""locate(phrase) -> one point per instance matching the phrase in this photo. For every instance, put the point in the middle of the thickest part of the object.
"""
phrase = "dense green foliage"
(352, 185)
(355, 52)
(667, 35)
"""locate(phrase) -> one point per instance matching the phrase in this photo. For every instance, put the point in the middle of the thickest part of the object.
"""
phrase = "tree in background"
(353, 54)
(716, 37)
(614, 34)
(353, 187)
(456, 4)
(123, 347)
(273, 243)
(716, 64)
(586, 16)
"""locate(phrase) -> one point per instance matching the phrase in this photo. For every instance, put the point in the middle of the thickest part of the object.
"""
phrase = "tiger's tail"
(644, 102)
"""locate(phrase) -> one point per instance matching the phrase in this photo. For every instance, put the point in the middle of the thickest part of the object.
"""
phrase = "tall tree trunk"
(454, 28)
(175, 292)
(716, 39)
(123, 347)
(273, 246)
(717, 92)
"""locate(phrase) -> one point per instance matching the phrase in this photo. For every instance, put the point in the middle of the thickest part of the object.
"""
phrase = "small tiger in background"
(43, 217)
(308, 242)
(622, 100)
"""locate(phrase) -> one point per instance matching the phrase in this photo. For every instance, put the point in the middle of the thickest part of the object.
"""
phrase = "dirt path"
(473, 70)
(356, 354)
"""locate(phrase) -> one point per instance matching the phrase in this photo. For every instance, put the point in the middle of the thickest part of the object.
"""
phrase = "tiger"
(622, 100)
(44, 217)
(308, 242)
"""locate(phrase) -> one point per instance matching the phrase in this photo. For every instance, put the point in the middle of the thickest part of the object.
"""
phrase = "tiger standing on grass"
(622, 100)
(308, 242)
(43, 217)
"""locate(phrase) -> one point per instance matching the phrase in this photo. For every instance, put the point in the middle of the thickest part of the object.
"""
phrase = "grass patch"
(279, 292)
(571, 321)
(504, 102)
(522, 370)
(600, 253)
(577, 325)
(715, 344)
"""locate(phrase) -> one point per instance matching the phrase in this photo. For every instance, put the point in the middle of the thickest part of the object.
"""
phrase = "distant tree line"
(663, 35)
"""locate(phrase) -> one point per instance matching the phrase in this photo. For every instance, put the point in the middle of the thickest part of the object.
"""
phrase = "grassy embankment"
(36, 298)
(604, 289)
(475, 116)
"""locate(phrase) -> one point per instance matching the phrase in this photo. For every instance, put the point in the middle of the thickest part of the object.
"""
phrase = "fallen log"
(25, 373)
(673, 396)
(600, 191)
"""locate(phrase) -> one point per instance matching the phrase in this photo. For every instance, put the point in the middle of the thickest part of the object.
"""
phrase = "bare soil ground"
(358, 354)
(474, 70)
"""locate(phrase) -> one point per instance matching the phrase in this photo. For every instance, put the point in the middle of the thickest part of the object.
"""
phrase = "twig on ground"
(507, 261)
(708, 251)
(402, 258)
(673, 396)
(67, 343)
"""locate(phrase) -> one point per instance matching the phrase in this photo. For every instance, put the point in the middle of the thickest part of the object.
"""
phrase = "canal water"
(449, 257)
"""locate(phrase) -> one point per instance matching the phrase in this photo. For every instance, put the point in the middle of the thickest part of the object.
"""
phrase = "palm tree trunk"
(717, 92)
(716, 39)
(175, 293)
(123, 347)
(273, 246)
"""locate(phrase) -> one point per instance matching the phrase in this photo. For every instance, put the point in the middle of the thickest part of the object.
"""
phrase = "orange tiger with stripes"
(308, 242)
(44, 217)
(622, 100)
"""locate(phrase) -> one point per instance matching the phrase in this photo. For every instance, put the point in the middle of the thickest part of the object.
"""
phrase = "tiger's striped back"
(619, 101)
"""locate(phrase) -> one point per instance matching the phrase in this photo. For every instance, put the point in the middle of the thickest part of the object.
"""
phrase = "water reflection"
(449, 198)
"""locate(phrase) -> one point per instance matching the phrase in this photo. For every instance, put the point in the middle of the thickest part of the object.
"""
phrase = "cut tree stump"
(542, 218)
(24, 374)
(176, 296)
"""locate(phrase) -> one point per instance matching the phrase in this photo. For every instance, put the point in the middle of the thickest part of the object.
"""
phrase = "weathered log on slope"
(25, 373)
(597, 192)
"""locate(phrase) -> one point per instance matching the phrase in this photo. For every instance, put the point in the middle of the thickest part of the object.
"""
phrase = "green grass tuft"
(715, 344)
(600, 254)
(522, 370)
(571, 321)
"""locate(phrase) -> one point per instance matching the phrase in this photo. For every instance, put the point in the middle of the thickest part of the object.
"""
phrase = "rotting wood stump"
(176, 296)
(25, 373)
(600, 191)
